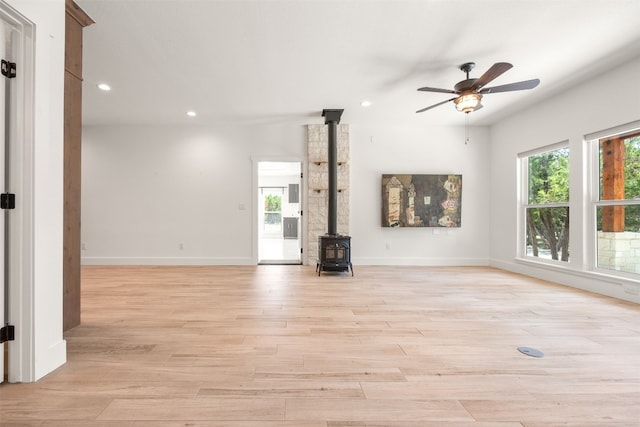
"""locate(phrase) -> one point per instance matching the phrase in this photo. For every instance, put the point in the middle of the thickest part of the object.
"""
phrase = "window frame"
(524, 205)
(593, 201)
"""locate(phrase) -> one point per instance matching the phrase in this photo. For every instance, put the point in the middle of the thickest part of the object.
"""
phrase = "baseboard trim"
(165, 261)
(415, 261)
(618, 288)
(49, 360)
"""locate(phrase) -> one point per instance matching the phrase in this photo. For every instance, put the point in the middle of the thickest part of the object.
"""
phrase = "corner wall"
(598, 104)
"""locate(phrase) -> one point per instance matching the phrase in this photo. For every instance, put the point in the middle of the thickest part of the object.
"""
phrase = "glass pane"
(548, 233)
(549, 177)
(620, 250)
(619, 168)
(272, 218)
(272, 223)
(272, 203)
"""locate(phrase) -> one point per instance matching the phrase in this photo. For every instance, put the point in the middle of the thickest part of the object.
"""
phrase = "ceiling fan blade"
(435, 105)
(527, 84)
(435, 89)
(492, 73)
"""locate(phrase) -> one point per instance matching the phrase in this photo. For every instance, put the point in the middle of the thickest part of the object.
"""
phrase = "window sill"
(563, 267)
(560, 266)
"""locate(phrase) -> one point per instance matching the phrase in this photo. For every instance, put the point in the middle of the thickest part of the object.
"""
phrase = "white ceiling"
(283, 61)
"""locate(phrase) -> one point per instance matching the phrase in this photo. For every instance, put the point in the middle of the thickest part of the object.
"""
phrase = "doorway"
(279, 212)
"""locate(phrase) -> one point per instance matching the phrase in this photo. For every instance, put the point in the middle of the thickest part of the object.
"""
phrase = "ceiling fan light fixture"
(468, 102)
(469, 92)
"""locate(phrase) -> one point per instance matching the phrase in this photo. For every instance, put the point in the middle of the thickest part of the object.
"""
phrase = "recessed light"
(191, 113)
(105, 87)
(366, 103)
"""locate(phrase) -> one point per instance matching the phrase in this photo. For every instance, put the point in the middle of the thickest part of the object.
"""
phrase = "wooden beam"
(612, 183)
(76, 20)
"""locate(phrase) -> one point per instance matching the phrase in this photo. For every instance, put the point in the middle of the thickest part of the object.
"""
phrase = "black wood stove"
(334, 250)
(334, 253)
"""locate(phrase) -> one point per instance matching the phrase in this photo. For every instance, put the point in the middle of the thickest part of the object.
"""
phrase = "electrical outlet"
(181, 246)
(83, 246)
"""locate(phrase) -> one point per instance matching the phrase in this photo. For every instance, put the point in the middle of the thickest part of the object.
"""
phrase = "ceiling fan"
(469, 91)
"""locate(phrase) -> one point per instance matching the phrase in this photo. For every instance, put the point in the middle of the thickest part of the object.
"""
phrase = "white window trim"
(523, 204)
(592, 202)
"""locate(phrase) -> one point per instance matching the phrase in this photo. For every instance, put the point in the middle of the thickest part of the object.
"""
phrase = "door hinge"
(7, 333)
(301, 250)
(300, 213)
(7, 201)
(301, 175)
(8, 69)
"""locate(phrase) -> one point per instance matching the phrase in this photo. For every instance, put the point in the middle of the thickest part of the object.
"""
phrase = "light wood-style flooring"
(392, 346)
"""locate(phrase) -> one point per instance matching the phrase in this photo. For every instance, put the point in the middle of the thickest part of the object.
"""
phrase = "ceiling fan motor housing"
(464, 85)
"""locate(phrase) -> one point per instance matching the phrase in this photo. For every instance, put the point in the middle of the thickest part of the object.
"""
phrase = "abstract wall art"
(412, 200)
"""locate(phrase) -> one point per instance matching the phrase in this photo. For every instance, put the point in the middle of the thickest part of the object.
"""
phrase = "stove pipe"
(332, 119)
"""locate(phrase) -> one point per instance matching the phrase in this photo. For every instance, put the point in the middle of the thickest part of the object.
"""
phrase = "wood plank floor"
(393, 346)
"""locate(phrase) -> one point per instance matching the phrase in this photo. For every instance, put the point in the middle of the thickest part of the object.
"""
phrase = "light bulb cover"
(468, 102)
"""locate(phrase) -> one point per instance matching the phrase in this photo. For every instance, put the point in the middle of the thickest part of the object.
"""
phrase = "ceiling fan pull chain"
(466, 129)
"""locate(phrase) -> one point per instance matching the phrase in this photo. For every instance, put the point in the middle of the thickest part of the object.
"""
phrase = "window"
(272, 210)
(546, 203)
(617, 203)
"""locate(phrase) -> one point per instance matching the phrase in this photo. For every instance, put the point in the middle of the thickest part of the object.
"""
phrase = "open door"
(279, 213)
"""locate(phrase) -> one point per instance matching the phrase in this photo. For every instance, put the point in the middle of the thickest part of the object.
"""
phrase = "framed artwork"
(412, 200)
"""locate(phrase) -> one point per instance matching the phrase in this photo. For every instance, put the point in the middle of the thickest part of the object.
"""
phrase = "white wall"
(42, 297)
(419, 150)
(604, 102)
(148, 189)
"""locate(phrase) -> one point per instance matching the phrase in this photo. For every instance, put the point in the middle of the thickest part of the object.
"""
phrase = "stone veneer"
(619, 251)
(317, 179)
